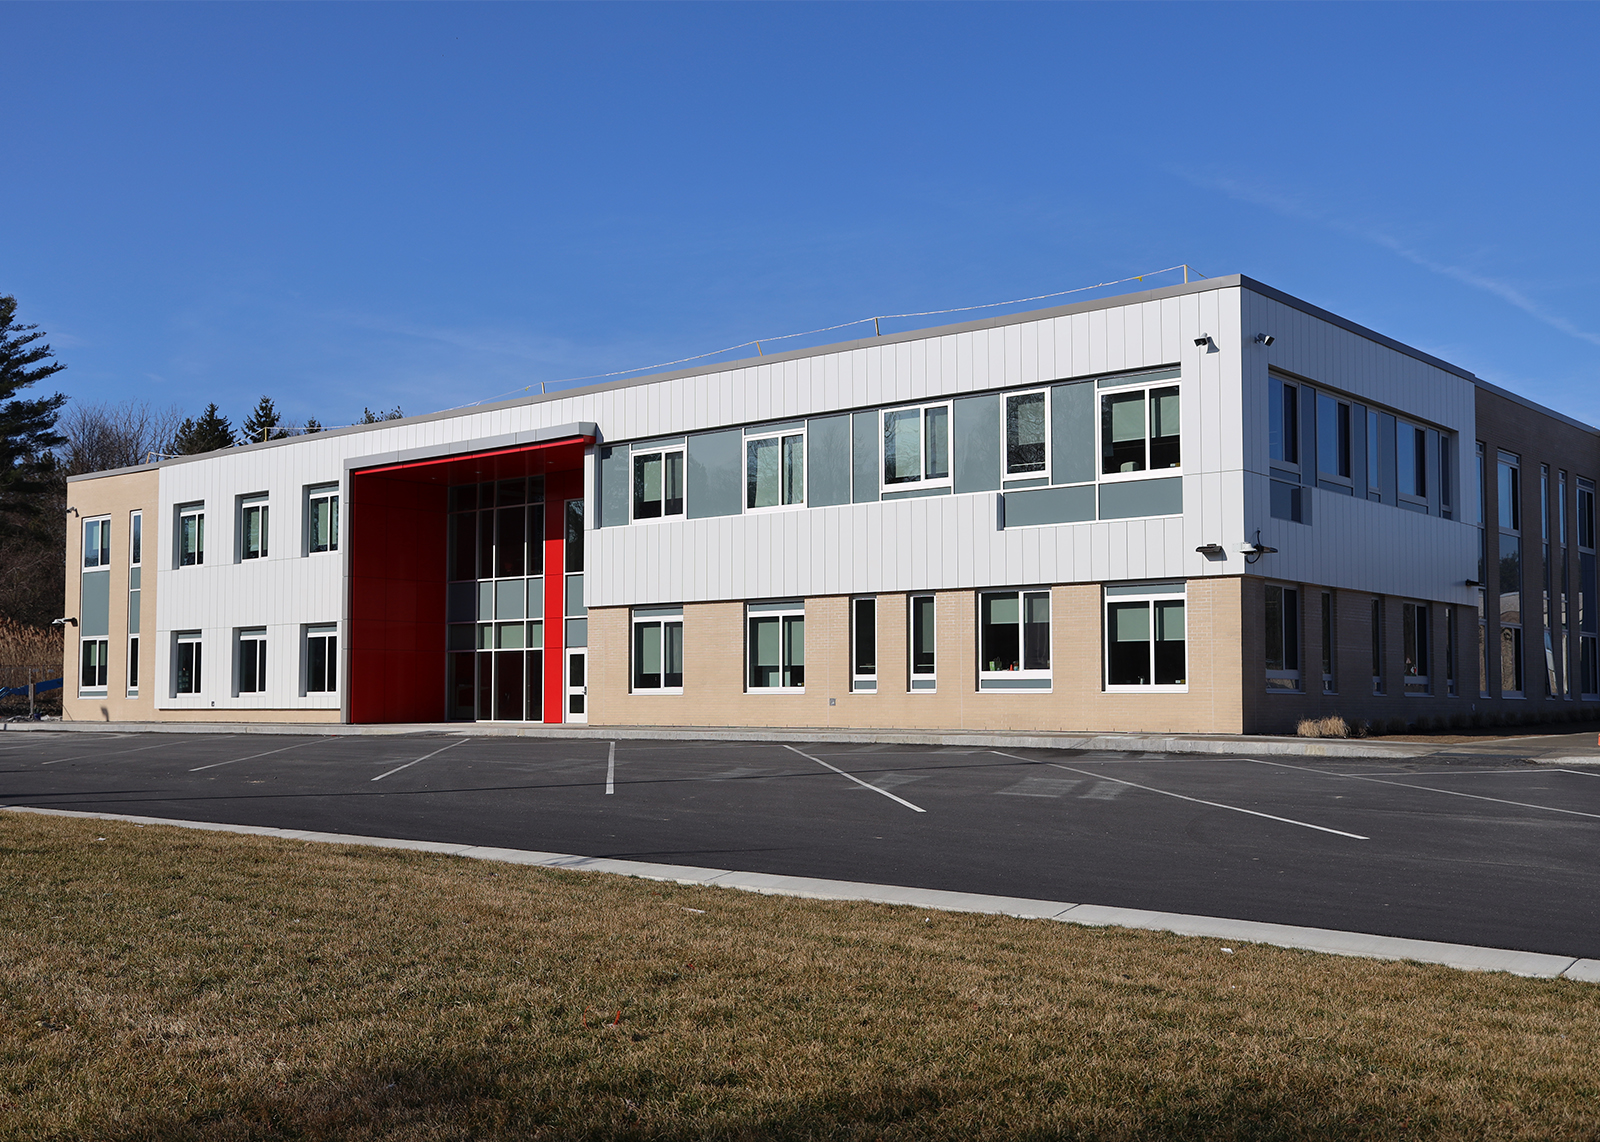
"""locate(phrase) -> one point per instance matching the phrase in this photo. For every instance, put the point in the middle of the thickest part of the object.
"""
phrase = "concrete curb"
(1100, 743)
(1536, 965)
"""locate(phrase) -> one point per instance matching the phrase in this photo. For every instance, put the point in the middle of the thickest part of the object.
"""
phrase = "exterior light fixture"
(1254, 551)
(1202, 341)
(1265, 339)
(63, 622)
(1212, 551)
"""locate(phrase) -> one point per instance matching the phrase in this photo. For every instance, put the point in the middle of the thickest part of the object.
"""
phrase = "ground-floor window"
(658, 650)
(92, 655)
(922, 640)
(186, 663)
(133, 666)
(1414, 637)
(1377, 646)
(497, 686)
(1510, 662)
(252, 661)
(776, 646)
(1450, 651)
(1283, 637)
(1014, 640)
(864, 644)
(322, 660)
(1146, 635)
(1330, 628)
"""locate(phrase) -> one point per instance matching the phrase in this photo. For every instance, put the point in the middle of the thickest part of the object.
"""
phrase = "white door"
(577, 686)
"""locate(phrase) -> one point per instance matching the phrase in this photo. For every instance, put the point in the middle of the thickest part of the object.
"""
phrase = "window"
(1414, 635)
(1329, 627)
(191, 536)
(1561, 507)
(775, 469)
(93, 655)
(322, 659)
(322, 519)
(777, 646)
(916, 445)
(1027, 441)
(657, 484)
(133, 666)
(1446, 478)
(1284, 427)
(1139, 431)
(1483, 643)
(1411, 464)
(1375, 455)
(1145, 636)
(96, 544)
(1333, 436)
(863, 644)
(658, 651)
(923, 663)
(1450, 651)
(1014, 640)
(1588, 616)
(252, 661)
(1283, 637)
(253, 529)
(574, 535)
(186, 663)
(1585, 514)
(1509, 484)
(1377, 646)
(135, 539)
(497, 529)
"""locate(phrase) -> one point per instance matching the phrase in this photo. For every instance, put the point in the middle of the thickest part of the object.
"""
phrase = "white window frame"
(922, 479)
(660, 454)
(180, 639)
(660, 618)
(1022, 679)
(133, 666)
(863, 682)
(97, 688)
(252, 641)
(318, 493)
(781, 435)
(1277, 384)
(1005, 436)
(1146, 386)
(135, 539)
(1321, 395)
(925, 682)
(1285, 679)
(785, 613)
(101, 527)
(184, 513)
(1420, 464)
(1150, 595)
(248, 504)
(320, 631)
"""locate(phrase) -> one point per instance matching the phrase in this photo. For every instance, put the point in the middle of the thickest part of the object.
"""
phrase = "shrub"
(1332, 726)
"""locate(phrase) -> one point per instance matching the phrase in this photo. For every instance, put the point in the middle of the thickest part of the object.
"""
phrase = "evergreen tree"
(313, 425)
(207, 434)
(262, 424)
(370, 417)
(27, 427)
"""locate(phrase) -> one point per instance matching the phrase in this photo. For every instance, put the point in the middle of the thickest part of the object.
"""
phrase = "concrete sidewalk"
(1557, 749)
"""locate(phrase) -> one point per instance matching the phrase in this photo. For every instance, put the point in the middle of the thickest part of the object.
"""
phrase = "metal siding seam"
(1116, 339)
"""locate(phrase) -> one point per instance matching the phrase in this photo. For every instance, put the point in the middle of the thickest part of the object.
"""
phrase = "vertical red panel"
(559, 487)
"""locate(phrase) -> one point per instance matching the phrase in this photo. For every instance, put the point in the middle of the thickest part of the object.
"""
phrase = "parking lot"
(1474, 853)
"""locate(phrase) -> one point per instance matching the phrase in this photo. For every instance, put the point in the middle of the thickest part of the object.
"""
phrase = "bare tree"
(105, 436)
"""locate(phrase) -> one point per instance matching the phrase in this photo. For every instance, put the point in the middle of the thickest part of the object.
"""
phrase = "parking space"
(1475, 853)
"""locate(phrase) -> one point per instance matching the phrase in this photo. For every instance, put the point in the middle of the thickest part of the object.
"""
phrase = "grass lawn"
(164, 984)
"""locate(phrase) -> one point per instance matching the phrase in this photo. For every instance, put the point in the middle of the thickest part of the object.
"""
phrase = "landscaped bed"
(166, 984)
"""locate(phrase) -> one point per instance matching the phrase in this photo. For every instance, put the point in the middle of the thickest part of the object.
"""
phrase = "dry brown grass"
(162, 984)
(28, 653)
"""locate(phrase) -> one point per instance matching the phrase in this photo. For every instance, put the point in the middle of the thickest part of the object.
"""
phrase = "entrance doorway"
(577, 686)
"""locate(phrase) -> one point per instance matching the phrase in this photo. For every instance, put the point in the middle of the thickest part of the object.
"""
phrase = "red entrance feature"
(399, 526)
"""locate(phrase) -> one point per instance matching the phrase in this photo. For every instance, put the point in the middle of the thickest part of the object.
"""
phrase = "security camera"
(1265, 339)
(1202, 341)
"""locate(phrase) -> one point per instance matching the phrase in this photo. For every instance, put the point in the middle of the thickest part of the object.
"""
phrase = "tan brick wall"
(715, 694)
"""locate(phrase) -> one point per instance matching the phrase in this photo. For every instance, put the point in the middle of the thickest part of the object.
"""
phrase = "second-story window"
(322, 519)
(1411, 464)
(1027, 441)
(1283, 429)
(96, 544)
(916, 445)
(1139, 431)
(775, 470)
(253, 529)
(191, 536)
(657, 484)
(1333, 436)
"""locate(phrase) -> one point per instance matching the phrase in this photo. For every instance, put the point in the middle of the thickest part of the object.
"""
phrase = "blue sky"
(350, 205)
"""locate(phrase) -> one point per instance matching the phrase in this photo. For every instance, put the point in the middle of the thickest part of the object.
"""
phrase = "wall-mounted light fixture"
(1265, 339)
(1202, 341)
(1471, 583)
(63, 622)
(1212, 551)
(1254, 551)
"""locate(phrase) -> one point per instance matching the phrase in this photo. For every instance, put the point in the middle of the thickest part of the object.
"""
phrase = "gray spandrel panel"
(1136, 498)
(95, 617)
(1072, 459)
(828, 461)
(864, 433)
(975, 443)
(1049, 505)
(613, 486)
(714, 478)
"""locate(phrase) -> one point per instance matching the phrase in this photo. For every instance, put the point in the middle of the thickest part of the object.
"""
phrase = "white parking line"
(424, 757)
(1429, 789)
(611, 768)
(1196, 800)
(113, 753)
(857, 780)
(1579, 772)
(253, 756)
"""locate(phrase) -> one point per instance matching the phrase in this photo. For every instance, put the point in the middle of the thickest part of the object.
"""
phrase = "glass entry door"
(577, 686)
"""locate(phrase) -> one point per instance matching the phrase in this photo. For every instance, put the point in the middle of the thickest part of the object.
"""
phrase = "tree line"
(44, 440)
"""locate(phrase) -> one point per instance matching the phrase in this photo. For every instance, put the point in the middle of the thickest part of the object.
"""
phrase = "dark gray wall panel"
(613, 486)
(976, 443)
(1072, 458)
(1141, 498)
(716, 467)
(94, 619)
(1049, 505)
(865, 435)
(828, 448)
